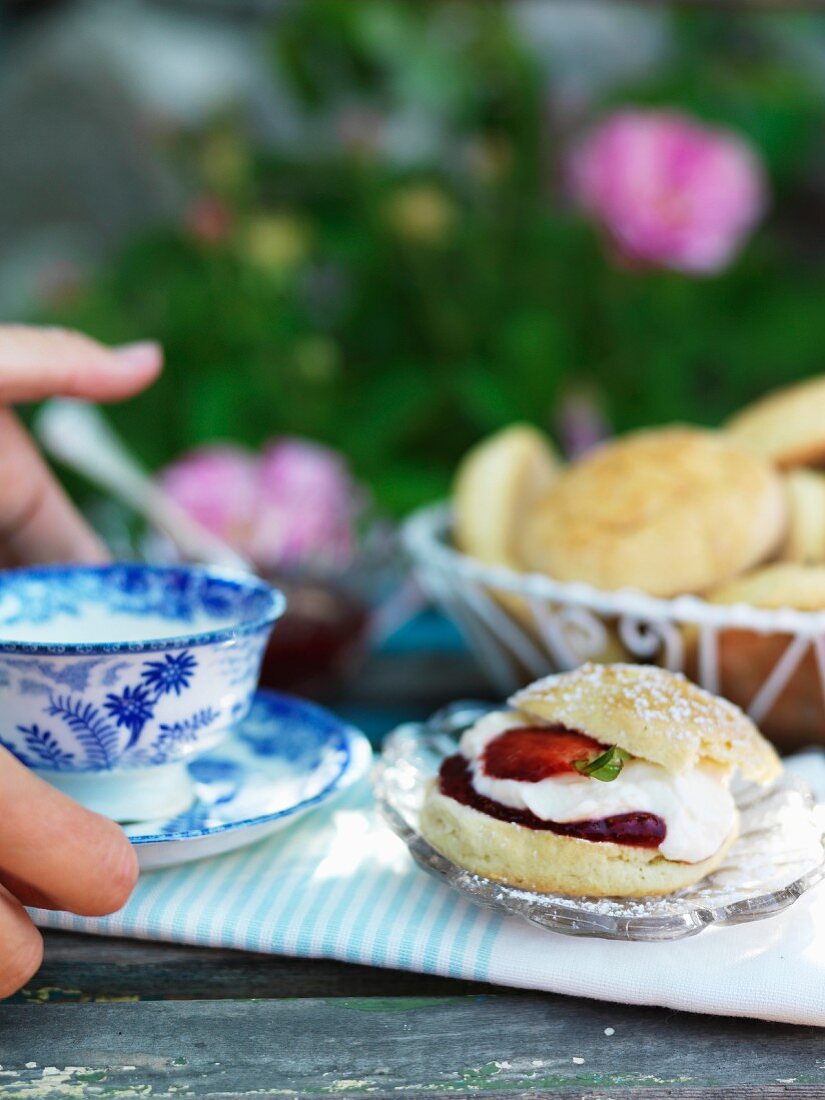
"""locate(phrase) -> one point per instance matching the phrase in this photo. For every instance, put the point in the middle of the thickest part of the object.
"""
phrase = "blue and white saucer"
(287, 757)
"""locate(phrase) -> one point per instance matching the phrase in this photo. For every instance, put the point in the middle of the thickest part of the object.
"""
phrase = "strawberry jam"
(639, 830)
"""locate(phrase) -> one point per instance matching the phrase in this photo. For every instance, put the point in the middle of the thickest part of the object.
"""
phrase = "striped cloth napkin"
(340, 885)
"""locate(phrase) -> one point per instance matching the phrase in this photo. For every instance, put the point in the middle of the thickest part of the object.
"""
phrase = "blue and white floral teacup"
(113, 676)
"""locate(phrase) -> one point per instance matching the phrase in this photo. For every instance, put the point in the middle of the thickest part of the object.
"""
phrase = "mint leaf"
(605, 767)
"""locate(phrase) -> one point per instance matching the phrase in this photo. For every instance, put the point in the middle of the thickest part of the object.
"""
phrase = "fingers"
(25, 894)
(21, 946)
(38, 523)
(47, 362)
(54, 850)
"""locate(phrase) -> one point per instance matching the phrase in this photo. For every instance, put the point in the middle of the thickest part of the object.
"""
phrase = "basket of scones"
(700, 551)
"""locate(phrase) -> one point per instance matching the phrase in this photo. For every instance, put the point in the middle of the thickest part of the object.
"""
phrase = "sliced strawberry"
(531, 753)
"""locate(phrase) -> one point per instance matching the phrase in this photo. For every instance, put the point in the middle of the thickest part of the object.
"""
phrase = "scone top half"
(610, 779)
(654, 715)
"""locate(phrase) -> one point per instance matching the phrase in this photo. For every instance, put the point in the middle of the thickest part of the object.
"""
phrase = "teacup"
(112, 677)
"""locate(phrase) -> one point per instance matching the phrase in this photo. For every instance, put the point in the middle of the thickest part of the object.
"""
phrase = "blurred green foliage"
(399, 309)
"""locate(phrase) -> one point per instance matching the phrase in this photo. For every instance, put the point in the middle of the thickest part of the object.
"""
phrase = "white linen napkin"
(341, 885)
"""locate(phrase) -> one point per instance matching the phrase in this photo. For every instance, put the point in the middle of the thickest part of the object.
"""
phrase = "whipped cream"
(696, 805)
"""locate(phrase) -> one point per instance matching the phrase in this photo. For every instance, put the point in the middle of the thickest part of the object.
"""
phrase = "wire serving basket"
(524, 625)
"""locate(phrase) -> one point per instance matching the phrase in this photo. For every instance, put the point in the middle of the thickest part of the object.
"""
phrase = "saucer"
(285, 758)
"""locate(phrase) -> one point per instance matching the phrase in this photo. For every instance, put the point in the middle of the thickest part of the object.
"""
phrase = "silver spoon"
(76, 433)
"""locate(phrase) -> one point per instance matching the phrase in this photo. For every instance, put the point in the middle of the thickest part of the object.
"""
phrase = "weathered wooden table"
(109, 1018)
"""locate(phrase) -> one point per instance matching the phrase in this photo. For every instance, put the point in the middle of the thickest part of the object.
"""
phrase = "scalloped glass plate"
(779, 855)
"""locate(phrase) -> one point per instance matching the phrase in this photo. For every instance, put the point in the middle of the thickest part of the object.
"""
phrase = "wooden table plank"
(490, 1046)
(98, 968)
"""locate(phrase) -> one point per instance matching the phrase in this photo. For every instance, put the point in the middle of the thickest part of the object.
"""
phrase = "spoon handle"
(76, 433)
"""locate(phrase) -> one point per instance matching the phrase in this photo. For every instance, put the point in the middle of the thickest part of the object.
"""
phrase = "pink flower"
(307, 505)
(294, 504)
(218, 486)
(670, 192)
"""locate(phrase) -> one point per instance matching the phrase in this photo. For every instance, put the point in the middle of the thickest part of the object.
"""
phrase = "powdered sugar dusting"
(650, 691)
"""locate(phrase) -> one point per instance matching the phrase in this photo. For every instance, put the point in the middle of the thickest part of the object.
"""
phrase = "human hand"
(37, 521)
(53, 853)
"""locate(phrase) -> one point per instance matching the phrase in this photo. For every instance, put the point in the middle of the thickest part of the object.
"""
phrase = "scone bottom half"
(607, 781)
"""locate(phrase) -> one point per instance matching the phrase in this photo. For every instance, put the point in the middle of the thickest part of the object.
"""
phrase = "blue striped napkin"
(340, 885)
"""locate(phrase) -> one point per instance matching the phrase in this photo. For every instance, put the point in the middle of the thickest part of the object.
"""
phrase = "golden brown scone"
(542, 861)
(745, 658)
(781, 585)
(495, 486)
(665, 511)
(787, 426)
(805, 542)
(654, 714)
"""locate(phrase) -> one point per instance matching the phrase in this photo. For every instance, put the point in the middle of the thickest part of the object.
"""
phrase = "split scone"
(495, 487)
(665, 511)
(608, 781)
(805, 541)
(786, 426)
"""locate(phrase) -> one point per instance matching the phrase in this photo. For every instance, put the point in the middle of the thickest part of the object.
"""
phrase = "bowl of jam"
(323, 635)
